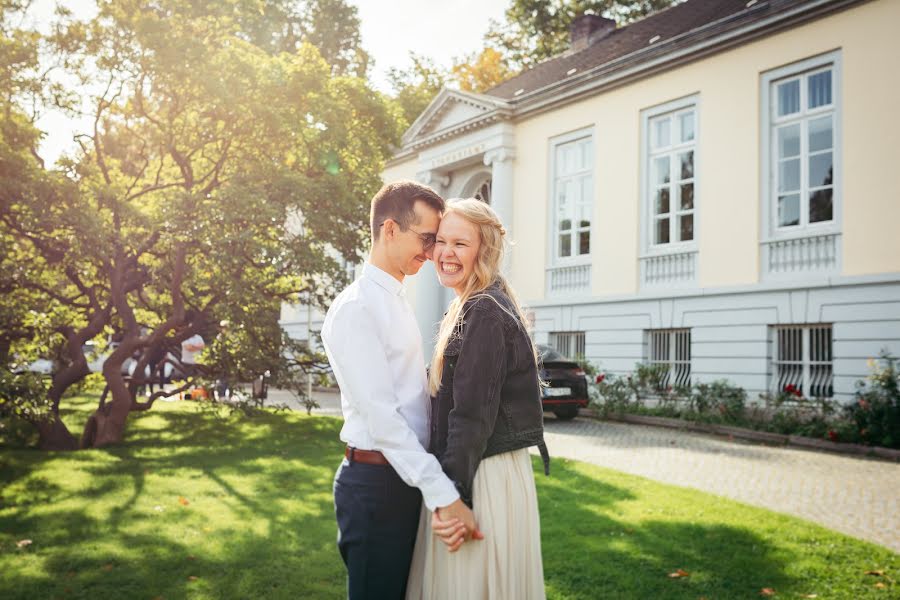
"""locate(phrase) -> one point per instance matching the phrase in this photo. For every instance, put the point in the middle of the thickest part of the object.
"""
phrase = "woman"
(486, 412)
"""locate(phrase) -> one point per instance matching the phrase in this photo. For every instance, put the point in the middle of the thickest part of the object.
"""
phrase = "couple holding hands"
(453, 438)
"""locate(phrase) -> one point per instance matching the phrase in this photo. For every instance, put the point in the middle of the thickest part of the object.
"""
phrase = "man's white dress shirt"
(375, 350)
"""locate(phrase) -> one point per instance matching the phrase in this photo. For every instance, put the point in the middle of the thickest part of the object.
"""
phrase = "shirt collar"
(382, 278)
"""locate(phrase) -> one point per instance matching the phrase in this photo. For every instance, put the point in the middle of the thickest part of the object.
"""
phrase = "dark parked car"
(567, 391)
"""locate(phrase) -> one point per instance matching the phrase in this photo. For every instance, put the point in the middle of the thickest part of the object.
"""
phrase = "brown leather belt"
(366, 457)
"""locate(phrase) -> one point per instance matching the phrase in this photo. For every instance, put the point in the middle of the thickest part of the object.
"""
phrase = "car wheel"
(566, 413)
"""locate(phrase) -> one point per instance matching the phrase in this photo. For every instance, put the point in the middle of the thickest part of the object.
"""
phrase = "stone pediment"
(453, 110)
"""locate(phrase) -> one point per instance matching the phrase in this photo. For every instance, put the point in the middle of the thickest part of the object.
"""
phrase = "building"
(708, 188)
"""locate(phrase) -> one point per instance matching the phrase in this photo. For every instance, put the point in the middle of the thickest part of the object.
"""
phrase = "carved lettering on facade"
(457, 155)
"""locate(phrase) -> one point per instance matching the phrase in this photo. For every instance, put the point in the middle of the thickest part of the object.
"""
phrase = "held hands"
(455, 524)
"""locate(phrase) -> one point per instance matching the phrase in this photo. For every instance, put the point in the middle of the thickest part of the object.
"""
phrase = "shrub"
(876, 412)
(23, 403)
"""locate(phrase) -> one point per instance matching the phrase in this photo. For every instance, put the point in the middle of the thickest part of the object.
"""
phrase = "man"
(375, 350)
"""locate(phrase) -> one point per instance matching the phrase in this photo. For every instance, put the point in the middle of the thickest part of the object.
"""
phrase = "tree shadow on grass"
(585, 548)
(258, 522)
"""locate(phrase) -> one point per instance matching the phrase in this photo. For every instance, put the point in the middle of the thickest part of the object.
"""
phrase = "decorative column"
(429, 303)
(501, 162)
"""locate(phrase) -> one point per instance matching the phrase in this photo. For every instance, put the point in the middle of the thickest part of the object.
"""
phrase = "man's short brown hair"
(396, 200)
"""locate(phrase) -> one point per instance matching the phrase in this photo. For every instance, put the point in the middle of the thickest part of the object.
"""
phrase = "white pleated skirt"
(506, 564)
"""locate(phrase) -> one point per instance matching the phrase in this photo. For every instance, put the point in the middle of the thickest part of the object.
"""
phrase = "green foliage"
(23, 403)
(218, 124)
(874, 419)
(416, 86)
(876, 413)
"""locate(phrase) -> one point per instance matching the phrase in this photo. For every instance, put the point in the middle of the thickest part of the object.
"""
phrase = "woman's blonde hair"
(486, 272)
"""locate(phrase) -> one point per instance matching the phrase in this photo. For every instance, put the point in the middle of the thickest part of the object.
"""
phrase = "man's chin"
(413, 267)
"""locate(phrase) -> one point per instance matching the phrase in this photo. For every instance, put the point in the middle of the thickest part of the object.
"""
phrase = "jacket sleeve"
(477, 381)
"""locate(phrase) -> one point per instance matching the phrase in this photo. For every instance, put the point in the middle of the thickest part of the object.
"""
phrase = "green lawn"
(196, 506)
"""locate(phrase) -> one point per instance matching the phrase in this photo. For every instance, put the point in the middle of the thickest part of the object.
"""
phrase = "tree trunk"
(54, 435)
(107, 425)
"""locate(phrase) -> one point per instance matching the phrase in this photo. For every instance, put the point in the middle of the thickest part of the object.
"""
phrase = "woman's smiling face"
(456, 251)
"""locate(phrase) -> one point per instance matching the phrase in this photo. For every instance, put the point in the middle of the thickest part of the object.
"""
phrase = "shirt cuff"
(439, 493)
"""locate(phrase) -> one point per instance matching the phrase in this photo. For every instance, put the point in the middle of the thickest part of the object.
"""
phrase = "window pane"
(789, 141)
(788, 210)
(565, 245)
(584, 215)
(789, 175)
(586, 191)
(687, 164)
(661, 170)
(820, 170)
(820, 206)
(820, 134)
(586, 154)
(788, 97)
(687, 196)
(662, 231)
(687, 227)
(584, 242)
(565, 225)
(687, 126)
(662, 201)
(661, 132)
(820, 89)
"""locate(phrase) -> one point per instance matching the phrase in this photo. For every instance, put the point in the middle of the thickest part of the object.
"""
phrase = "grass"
(199, 506)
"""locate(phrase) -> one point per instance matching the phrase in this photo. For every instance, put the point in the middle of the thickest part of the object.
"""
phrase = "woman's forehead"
(456, 225)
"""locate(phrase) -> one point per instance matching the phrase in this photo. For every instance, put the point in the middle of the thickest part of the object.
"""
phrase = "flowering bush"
(873, 419)
(876, 412)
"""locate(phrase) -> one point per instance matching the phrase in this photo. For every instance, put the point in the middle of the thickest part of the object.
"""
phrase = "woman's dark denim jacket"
(490, 399)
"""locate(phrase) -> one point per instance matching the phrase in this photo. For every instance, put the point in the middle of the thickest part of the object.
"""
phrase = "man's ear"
(388, 229)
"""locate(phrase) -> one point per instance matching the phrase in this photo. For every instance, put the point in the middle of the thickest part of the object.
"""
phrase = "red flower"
(600, 378)
(793, 390)
(833, 435)
(863, 404)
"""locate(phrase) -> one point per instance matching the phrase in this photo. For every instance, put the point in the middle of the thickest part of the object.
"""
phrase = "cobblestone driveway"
(856, 496)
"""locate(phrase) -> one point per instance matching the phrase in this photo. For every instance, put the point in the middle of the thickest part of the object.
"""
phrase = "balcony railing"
(666, 270)
(812, 254)
(569, 280)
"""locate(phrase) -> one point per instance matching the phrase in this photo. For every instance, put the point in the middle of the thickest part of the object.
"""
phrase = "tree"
(204, 145)
(415, 87)
(332, 26)
(535, 30)
(482, 71)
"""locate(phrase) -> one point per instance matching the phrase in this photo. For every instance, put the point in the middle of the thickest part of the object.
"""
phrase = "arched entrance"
(479, 186)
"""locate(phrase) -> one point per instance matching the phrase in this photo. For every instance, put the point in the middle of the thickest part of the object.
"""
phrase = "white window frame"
(768, 151)
(806, 337)
(553, 258)
(648, 220)
(678, 355)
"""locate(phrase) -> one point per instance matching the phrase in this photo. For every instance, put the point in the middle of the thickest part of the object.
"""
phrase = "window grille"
(568, 343)
(803, 360)
(672, 348)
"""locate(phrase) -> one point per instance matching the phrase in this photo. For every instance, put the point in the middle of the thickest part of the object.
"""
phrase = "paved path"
(856, 496)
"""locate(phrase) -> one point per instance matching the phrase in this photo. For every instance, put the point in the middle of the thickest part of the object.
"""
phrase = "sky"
(439, 29)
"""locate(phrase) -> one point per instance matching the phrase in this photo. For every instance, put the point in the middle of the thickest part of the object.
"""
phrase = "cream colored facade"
(745, 300)
(728, 191)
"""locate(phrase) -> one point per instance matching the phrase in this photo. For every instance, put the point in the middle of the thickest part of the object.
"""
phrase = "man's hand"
(455, 524)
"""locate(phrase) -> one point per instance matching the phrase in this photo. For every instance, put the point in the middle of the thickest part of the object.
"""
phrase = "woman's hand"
(455, 524)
